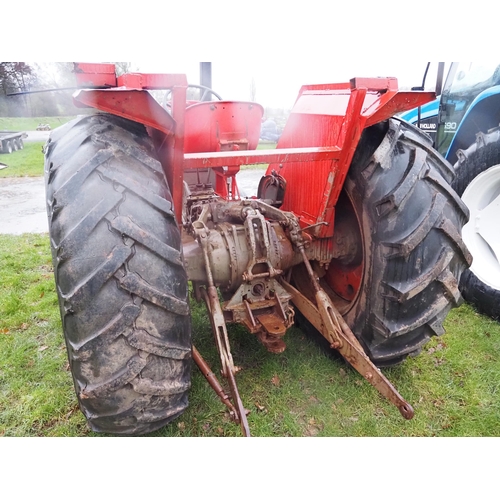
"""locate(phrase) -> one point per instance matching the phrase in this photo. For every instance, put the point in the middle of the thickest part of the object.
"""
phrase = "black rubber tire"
(20, 143)
(410, 221)
(120, 279)
(479, 157)
(7, 147)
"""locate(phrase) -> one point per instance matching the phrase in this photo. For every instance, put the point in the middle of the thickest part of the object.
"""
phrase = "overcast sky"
(277, 83)
(281, 45)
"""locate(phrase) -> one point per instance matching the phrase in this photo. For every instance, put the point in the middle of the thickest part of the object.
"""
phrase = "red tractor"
(355, 227)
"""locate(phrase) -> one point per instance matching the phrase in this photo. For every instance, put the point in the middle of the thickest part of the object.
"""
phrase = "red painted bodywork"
(313, 153)
(222, 126)
(135, 105)
(332, 115)
(94, 75)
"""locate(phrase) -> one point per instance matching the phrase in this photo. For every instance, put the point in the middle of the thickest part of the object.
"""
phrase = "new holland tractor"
(464, 125)
(355, 227)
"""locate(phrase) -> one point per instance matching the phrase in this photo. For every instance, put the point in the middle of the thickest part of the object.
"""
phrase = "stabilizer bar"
(329, 322)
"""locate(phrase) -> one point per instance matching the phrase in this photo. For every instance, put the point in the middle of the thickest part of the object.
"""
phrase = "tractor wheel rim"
(346, 280)
(481, 234)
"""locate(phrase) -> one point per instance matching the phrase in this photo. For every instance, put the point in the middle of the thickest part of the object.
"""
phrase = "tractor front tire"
(477, 182)
(409, 220)
(120, 279)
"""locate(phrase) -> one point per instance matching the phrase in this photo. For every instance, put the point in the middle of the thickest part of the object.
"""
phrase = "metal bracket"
(329, 322)
(218, 323)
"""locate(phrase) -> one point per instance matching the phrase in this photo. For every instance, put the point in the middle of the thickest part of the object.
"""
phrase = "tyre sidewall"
(478, 158)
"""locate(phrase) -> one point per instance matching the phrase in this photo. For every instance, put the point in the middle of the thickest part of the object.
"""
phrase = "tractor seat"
(222, 126)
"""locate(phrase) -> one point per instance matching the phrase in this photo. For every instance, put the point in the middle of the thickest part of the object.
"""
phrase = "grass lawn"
(17, 124)
(25, 162)
(453, 386)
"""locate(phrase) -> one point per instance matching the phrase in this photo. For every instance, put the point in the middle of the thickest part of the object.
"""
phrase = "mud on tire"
(120, 280)
(410, 221)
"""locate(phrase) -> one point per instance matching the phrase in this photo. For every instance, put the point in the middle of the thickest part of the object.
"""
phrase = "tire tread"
(119, 274)
(417, 254)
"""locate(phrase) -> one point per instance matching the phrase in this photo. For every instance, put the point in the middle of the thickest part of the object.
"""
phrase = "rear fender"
(429, 110)
(429, 118)
(133, 102)
(333, 115)
(482, 115)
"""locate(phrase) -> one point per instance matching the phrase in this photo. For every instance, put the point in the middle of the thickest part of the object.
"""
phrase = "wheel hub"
(481, 233)
(346, 269)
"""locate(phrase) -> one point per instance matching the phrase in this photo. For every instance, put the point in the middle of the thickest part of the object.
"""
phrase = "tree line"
(25, 79)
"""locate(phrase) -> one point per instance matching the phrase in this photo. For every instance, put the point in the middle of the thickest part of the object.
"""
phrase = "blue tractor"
(464, 125)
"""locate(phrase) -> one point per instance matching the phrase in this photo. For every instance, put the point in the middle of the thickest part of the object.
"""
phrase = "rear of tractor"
(354, 226)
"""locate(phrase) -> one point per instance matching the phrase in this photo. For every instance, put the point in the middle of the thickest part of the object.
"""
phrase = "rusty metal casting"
(213, 382)
(245, 254)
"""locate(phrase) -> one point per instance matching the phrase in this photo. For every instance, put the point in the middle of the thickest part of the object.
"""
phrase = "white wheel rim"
(482, 233)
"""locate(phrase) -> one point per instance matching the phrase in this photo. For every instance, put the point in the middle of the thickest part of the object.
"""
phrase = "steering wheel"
(167, 102)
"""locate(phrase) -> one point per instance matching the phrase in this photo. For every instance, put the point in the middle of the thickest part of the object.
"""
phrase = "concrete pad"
(22, 206)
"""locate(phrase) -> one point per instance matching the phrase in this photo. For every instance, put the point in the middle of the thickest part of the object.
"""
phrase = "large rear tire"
(477, 182)
(120, 279)
(403, 278)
